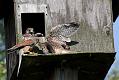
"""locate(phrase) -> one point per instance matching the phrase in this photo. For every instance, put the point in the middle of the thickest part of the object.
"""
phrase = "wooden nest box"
(94, 47)
(95, 19)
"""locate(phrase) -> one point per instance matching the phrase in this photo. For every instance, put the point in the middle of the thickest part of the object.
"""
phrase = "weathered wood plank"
(65, 74)
(66, 67)
(10, 37)
(94, 16)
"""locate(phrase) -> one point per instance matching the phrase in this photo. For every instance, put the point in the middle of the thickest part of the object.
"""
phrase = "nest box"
(94, 37)
(95, 18)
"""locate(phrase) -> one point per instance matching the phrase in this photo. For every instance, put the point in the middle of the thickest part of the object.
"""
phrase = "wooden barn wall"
(94, 16)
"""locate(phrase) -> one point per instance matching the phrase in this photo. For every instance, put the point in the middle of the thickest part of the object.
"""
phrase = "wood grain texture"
(10, 37)
(65, 74)
(73, 66)
(94, 16)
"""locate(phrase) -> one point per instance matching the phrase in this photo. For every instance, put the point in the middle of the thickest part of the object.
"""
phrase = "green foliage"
(2, 66)
(2, 71)
(114, 75)
(2, 53)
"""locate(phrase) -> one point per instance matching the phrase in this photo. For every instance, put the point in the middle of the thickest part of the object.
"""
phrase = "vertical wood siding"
(94, 16)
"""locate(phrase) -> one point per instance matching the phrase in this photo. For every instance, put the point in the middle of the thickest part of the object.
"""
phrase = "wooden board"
(65, 67)
(94, 16)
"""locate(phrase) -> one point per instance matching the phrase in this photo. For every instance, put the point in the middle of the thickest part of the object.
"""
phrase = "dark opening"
(33, 20)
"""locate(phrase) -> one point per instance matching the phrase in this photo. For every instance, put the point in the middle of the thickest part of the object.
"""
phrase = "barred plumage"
(54, 43)
(59, 35)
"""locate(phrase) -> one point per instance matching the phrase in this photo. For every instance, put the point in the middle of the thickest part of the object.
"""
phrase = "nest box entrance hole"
(33, 20)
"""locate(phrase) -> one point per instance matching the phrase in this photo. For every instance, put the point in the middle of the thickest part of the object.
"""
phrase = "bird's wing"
(64, 38)
(21, 45)
(65, 30)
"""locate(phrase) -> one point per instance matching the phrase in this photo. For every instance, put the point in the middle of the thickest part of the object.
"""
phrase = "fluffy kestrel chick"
(28, 34)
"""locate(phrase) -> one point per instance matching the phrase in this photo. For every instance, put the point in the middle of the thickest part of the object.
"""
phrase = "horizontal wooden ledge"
(75, 53)
(98, 57)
